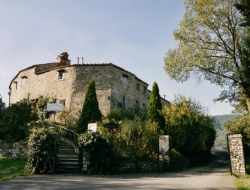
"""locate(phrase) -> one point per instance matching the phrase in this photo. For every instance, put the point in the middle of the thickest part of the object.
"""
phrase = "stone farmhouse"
(116, 88)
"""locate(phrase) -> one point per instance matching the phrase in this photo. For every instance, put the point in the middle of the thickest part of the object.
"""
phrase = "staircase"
(68, 158)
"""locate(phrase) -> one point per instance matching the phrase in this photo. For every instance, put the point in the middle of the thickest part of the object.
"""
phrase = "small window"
(125, 79)
(60, 74)
(24, 80)
(62, 102)
(144, 106)
(138, 87)
(145, 89)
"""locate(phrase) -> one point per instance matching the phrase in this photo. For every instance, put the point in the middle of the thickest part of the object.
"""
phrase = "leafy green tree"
(240, 125)
(2, 107)
(191, 129)
(90, 111)
(244, 7)
(14, 124)
(211, 47)
(155, 107)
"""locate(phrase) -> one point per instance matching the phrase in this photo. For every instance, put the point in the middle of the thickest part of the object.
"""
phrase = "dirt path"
(214, 176)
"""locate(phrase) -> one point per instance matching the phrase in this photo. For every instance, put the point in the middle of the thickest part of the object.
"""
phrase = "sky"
(132, 34)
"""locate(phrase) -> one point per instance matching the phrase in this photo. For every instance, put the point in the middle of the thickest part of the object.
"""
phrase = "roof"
(46, 67)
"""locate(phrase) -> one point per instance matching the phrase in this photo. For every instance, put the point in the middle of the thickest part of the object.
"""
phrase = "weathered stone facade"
(115, 87)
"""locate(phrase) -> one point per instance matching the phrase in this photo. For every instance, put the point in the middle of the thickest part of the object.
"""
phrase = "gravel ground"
(211, 177)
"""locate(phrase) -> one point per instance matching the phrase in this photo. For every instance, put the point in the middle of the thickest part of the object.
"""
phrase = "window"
(62, 102)
(125, 79)
(60, 75)
(144, 106)
(24, 80)
(138, 87)
(145, 89)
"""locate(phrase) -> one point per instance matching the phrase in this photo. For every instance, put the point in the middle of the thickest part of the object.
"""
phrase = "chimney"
(62, 59)
(77, 60)
(164, 96)
(82, 59)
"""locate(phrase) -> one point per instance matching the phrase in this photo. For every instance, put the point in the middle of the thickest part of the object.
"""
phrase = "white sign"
(54, 107)
(92, 127)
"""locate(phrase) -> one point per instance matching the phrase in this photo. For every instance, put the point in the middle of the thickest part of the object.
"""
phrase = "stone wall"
(236, 152)
(13, 150)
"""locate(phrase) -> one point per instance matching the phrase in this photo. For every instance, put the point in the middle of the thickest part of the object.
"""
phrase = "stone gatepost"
(236, 151)
(164, 153)
(85, 161)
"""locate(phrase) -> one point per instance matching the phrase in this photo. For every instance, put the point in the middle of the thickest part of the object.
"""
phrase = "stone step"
(68, 159)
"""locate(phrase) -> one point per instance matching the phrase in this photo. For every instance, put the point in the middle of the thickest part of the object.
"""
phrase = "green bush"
(192, 130)
(102, 158)
(41, 150)
(14, 124)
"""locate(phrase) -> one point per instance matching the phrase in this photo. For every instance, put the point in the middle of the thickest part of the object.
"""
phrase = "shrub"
(90, 110)
(102, 159)
(14, 124)
(41, 150)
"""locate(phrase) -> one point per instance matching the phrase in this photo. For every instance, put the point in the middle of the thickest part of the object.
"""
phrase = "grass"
(11, 167)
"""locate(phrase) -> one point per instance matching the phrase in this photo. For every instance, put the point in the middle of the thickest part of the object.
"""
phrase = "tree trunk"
(248, 104)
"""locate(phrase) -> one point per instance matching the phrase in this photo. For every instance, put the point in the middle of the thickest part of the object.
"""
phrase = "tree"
(191, 129)
(14, 124)
(2, 107)
(210, 47)
(244, 7)
(90, 110)
(155, 107)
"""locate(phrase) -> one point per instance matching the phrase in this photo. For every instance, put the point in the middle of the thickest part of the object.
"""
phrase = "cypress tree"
(155, 106)
(90, 110)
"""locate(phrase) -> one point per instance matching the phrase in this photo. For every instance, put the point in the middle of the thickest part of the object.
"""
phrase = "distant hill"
(221, 132)
(220, 119)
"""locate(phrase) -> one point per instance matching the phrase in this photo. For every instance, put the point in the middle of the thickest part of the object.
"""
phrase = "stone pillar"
(236, 151)
(164, 153)
(85, 161)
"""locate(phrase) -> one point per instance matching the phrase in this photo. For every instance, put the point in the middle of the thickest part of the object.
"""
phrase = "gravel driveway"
(211, 177)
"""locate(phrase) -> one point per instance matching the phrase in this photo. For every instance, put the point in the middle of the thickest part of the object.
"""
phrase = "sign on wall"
(92, 127)
(54, 107)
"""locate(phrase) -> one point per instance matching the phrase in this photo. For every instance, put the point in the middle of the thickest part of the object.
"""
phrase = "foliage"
(134, 139)
(175, 154)
(210, 47)
(11, 167)
(2, 107)
(244, 7)
(14, 124)
(90, 111)
(41, 105)
(240, 125)
(102, 158)
(155, 107)
(191, 129)
(41, 150)
(62, 116)
(134, 113)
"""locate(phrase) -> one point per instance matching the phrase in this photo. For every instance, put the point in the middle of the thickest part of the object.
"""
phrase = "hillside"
(221, 132)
